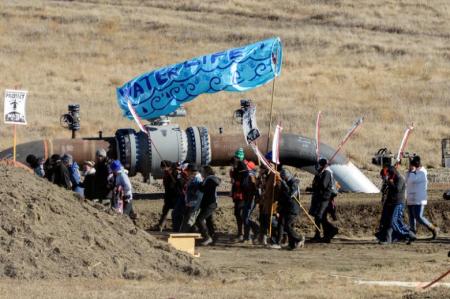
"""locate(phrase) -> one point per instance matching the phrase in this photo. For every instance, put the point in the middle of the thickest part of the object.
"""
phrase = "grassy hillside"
(386, 60)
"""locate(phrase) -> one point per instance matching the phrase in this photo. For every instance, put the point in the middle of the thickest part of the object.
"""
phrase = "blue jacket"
(193, 193)
(75, 178)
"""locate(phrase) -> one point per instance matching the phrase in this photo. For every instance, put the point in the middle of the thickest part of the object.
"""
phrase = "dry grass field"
(386, 60)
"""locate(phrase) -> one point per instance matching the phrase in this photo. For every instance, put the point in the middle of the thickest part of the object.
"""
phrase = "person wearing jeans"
(416, 190)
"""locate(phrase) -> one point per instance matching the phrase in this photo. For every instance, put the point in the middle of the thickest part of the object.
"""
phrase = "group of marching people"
(97, 180)
(398, 190)
(192, 196)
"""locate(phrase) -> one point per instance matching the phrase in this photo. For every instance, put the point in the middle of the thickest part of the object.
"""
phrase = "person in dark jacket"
(193, 198)
(288, 209)
(37, 164)
(89, 180)
(205, 222)
(180, 204)
(395, 198)
(323, 194)
(386, 212)
(238, 172)
(170, 190)
(59, 173)
(102, 172)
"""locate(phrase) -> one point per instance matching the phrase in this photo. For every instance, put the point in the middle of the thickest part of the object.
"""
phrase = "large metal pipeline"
(137, 152)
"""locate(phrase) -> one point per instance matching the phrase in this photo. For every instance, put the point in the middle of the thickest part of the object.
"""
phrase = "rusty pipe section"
(295, 150)
(139, 154)
(80, 149)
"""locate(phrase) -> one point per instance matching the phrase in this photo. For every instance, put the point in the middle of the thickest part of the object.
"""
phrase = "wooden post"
(14, 143)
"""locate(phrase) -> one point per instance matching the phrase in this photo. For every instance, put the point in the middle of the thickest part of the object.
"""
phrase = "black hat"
(323, 162)
(166, 163)
(415, 161)
(31, 159)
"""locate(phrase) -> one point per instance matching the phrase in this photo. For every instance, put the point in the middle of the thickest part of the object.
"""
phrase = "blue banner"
(162, 91)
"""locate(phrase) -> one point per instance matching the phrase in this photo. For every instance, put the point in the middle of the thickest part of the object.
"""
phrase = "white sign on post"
(14, 109)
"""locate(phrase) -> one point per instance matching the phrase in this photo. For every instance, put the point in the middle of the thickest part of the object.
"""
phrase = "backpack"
(334, 189)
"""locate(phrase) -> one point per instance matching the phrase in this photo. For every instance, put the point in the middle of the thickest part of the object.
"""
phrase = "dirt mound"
(46, 232)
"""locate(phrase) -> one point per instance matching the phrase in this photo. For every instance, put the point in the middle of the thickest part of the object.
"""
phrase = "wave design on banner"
(162, 91)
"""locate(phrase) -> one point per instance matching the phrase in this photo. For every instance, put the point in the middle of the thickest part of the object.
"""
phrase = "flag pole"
(271, 115)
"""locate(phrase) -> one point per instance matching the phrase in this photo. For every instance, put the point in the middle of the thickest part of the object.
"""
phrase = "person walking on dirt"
(321, 200)
(205, 219)
(180, 205)
(171, 186)
(237, 174)
(59, 174)
(88, 183)
(193, 198)
(387, 209)
(37, 164)
(288, 209)
(102, 172)
(74, 172)
(122, 192)
(396, 199)
(250, 192)
(269, 191)
(416, 196)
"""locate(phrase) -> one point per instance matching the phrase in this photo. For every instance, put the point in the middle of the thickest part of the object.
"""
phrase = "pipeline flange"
(127, 149)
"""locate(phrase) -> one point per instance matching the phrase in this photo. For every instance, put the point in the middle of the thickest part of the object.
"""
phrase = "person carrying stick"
(321, 201)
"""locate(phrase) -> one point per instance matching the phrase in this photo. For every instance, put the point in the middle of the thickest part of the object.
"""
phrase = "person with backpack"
(74, 173)
(205, 222)
(324, 192)
(416, 191)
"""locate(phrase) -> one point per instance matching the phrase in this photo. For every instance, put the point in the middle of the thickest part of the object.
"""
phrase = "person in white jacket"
(416, 196)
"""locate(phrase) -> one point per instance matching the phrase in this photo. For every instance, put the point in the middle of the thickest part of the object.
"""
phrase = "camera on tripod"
(71, 120)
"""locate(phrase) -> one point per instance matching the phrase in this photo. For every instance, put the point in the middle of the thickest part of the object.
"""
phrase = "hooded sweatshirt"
(209, 188)
(416, 187)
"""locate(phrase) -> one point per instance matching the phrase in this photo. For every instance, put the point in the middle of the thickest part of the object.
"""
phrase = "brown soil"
(358, 215)
(46, 232)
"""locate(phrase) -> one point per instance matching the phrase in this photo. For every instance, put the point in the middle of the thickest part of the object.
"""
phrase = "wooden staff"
(436, 280)
(271, 115)
(306, 212)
